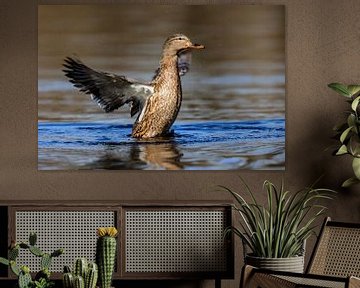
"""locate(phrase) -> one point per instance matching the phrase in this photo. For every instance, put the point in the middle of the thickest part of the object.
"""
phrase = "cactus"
(14, 268)
(32, 238)
(68, 280)
(24, 280)
(91, 276)
(42, 278)
(87, 272)
(80, 267)
(13, 253)
(57, 253)
(36, 251)
(106, 254)
(79, 282)
(24, 246)
(44, 273)
(45, 261)
(67, 269)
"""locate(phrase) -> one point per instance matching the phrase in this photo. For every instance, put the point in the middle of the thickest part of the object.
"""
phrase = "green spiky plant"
(279, 229)
(349, 132)
(42, 278)
(84, 275)
(106, 254)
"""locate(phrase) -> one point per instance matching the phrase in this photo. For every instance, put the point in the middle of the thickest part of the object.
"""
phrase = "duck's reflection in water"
(161, 156)
(154, 154)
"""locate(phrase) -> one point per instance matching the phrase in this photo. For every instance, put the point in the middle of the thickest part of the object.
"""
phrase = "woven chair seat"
(335, 262)
(314, 282)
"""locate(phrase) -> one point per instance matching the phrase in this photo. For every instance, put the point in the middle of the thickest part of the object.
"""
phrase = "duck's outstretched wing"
(184, 62)
(110, 91)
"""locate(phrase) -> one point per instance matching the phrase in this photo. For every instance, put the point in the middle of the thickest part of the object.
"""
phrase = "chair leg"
(246, 273)
(217, 282)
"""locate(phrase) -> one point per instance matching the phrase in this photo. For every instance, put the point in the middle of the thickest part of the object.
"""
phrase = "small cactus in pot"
(85, 275)
(79, 282)
(81, 266)
(42, 278)
(68, 278)
(91, 276)
(106, 254)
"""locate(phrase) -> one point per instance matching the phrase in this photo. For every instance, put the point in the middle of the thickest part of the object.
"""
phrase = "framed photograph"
(161, 87)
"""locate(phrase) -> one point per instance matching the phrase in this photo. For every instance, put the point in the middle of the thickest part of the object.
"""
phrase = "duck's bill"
(197, 46)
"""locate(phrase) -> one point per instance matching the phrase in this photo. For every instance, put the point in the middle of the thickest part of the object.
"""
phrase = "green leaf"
(349, 182)
(351, 120)
(14, 268)
(353, 89)
(354, 146)
(4, 261)
(345, 134)
(355, 103)
(279, 228)
(342, 150)
(340, 88)
(356, 167)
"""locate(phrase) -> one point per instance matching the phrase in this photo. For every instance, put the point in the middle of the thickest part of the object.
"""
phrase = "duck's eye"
(180, 38)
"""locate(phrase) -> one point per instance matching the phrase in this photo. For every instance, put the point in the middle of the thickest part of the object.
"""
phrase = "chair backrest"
(337, 251)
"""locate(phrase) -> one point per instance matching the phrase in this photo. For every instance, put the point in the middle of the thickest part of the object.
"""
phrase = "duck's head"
(177, 44)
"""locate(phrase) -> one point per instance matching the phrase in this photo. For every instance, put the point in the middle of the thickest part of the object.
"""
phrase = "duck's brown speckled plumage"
(164, 104)
(157, 103)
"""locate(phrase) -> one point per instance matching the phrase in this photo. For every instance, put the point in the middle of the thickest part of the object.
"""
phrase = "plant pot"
(291, 264)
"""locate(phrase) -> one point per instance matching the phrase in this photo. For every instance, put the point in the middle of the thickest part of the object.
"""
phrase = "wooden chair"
(335, 262)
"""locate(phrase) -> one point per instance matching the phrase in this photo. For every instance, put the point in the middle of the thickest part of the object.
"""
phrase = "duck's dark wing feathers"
(183, 64)
(110, 91)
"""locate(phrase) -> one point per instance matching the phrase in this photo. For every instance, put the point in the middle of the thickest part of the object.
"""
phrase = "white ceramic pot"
(291, 264)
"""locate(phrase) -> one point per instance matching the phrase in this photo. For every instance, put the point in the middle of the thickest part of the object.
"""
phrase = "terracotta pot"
(291, 264)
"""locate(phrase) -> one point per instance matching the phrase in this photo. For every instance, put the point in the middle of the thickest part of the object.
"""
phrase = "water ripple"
(216, 145)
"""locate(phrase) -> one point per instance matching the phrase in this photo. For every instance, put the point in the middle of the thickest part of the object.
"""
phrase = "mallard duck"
(156, 103)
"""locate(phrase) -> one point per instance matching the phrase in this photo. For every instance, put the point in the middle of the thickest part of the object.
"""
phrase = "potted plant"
(87, 274)
(42, 278)
(276, 233)
(348, 132)
(106, 254)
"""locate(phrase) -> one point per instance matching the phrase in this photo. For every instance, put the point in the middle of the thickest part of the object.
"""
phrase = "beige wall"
(323, 46)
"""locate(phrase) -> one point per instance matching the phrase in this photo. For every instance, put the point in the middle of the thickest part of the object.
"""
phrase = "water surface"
(256, 144)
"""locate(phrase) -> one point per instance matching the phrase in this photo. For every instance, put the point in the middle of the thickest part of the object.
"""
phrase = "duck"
(156, 103)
